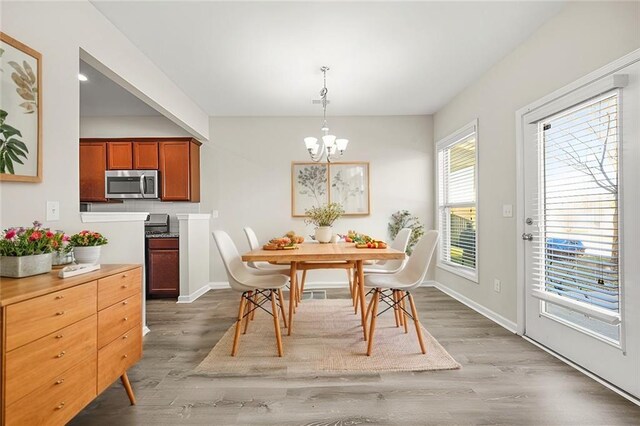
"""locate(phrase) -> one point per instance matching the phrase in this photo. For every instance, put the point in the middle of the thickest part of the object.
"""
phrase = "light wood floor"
(504, 380)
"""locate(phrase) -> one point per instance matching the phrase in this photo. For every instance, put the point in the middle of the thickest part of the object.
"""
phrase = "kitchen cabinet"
(163, 267)
(93, 163)
(119, 156)
(145, 155)
(180, 170)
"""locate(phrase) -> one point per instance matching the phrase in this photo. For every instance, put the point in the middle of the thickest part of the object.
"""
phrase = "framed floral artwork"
(349, 186)
(309, 186)
(20, 111)
(316, 184)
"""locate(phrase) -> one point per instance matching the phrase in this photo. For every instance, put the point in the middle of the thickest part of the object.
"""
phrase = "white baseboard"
(193, 296)
(495, 317)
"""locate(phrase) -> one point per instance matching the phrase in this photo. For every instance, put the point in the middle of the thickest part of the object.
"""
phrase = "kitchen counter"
(163, 235)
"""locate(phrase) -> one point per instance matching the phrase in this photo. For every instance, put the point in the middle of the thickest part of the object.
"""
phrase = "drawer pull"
(125, 318)
(60, 313)
(125, 275)
(59, 382)
(124, 286)
(60, 407)
(125, 337)
(59, 336)
(126, 302)
(61, 354)
(125, 356)
(59, 297)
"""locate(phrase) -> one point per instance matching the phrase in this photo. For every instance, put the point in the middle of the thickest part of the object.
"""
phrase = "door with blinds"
(582, 291)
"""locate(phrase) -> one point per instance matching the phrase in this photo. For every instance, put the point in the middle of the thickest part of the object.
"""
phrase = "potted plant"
(26, 251)
(404, 219)
(323, 218)
(86, 246)
(62, 249)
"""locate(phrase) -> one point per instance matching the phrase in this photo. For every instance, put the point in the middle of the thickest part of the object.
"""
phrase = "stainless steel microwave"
(132, 184)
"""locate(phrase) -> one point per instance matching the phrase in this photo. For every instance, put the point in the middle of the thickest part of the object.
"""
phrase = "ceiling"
(386, 58)
(99, 96)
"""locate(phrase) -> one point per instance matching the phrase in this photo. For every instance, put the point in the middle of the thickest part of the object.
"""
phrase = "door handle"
(527, 237)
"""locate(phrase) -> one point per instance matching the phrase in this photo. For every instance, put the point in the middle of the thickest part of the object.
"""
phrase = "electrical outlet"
(507, 210)
(214, 214)
(53, 211)
(497, 285)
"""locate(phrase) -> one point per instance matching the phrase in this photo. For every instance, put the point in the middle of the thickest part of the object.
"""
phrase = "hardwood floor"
(504, 379)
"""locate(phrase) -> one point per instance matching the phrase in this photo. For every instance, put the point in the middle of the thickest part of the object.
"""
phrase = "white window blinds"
(457, 179)
(577, 245)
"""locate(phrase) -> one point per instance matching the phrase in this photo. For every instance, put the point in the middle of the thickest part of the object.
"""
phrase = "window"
(457, 202)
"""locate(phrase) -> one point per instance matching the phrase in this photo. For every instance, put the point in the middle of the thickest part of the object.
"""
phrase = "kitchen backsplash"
(150, 206)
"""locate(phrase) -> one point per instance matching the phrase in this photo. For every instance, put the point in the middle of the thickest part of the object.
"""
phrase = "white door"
(582, 240)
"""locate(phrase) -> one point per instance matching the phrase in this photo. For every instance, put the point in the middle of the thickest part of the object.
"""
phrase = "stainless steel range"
(156, 223)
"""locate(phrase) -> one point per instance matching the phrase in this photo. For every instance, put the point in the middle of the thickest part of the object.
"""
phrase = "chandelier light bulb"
(311, 143)
(342, 144)
(329, 140)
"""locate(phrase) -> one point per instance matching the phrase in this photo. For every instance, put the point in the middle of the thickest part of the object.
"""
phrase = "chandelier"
(328, 144)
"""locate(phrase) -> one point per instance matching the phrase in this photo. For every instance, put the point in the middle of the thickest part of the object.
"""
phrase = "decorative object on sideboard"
(28, 251)
(87, 246)
(323, 218)
(20, 114)
(328, 144)
(404, 219)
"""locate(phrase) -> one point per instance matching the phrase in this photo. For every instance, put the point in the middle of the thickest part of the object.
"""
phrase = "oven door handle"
(143, 186)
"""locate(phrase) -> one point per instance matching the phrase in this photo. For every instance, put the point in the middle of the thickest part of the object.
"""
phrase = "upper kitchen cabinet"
(180, 170)
(145, 155)
(93, 163)
(119, 156)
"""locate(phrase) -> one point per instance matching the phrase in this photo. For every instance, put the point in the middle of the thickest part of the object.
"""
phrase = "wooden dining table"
(321, 256)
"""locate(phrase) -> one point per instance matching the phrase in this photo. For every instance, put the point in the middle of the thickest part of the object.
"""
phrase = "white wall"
(246, 175)
(129, 127)
(581, 38)
(59, 30)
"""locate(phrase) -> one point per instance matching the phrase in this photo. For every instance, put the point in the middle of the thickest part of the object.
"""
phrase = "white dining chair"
(401, 284)
(256, 287)
(254, 244)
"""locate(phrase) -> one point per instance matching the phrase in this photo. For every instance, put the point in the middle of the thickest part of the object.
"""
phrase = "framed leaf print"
(349, 186)
(20, 111)
(309, 186)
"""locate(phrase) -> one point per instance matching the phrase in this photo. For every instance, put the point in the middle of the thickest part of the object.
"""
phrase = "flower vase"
(25, 266)
(323, 234)
(87, 255)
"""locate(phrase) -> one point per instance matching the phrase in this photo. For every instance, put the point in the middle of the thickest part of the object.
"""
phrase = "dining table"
(324, 256)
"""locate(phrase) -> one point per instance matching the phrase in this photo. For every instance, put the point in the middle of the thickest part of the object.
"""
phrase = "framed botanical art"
(316, 184)
(309, 186)
(349, 186)
(20, 111)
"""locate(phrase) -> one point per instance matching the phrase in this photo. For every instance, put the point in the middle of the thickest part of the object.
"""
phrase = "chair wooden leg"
(350, 283)
(356, 295)
(414, 312)
(127, 386)
(255, 301)
(405, 318)
(292, 294)
(281, 300)
(374, 315)
(247, 313)
(276, 321)
(236, 338)
(304, 279)
(396, 312)
(369, 308)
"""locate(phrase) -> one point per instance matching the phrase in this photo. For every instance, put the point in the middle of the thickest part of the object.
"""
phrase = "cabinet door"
(174, 171)
(93, 163)
(120, 155)
(164, 273)
(145, 156)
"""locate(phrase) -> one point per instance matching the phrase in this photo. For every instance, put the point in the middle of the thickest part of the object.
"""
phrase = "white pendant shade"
(329, 140)
(311, 143)
(342, 144)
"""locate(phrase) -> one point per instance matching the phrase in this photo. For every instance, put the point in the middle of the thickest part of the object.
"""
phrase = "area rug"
(327, 338)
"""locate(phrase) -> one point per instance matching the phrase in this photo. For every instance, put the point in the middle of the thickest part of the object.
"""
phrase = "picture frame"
(315, 184)
(349, 186)
(20, 112)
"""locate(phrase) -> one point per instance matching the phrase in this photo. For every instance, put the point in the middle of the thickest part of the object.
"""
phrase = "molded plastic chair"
(252, 239)
(257, 287)
(392, 266)
(401, 284)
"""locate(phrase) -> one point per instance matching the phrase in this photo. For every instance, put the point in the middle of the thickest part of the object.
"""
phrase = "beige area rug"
(326, 338)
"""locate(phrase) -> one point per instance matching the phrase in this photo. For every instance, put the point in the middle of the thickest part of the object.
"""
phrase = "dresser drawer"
(59, 399)
(118, 287)
(115, 358)
(118, 318)
(34, 318)
(32, 365)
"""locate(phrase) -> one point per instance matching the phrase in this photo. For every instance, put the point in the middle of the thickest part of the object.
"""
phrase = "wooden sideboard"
(64, 341)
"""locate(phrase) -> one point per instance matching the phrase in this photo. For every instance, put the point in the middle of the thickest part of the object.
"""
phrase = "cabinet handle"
(125, 275)
(59, 336)
(125, 356)
(59, 382)
(59, 297)
(125, 302)
(60, 407)
(61, 354)
(125, 337)
(124, 286)
(126, 319)
(60, 313)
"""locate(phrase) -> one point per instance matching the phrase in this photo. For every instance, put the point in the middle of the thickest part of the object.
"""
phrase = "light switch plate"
(507, 210)
(53, 211)
(214, 214)
(497, 285)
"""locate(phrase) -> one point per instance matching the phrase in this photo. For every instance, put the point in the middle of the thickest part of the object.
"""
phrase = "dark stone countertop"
(163, 235)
